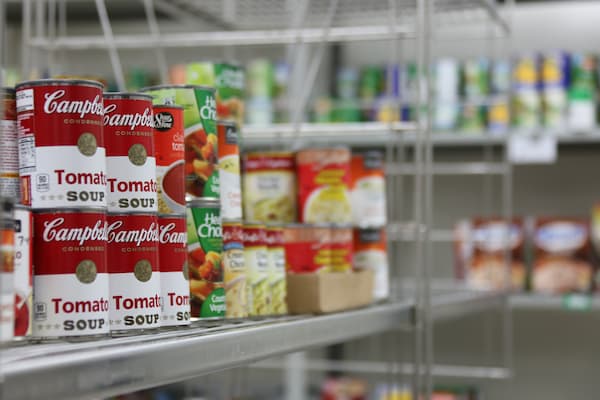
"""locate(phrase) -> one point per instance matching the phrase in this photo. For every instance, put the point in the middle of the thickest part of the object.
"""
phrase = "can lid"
(173, 106)
(127, 95)
(57, 82)
(255, 225)
(182, 86)
(210, 202)
(230, 221)
(226, 123)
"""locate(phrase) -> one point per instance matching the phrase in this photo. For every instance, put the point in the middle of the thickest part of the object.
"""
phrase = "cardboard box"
(320, 293)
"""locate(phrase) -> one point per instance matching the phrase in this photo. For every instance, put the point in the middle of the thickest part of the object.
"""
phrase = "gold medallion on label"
(87, 144)
(137, 154)
(86, 271)
(143, 270)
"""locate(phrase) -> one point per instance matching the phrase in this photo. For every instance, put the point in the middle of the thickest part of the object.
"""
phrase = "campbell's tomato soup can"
(234, 270)
(23, 289)
(307, 248)
(170, 164)
(9, 150)
(229, 170)
(70, 297)
(130, 161)
(323, 185)
(368, 189)
(62, 157)
(257, 263)
(270, 187)
(204, 257)
(370, 252)
(341, 248)
(7, 268)
(200, 143)
(277, 282)
(174, 281)
(133, 272)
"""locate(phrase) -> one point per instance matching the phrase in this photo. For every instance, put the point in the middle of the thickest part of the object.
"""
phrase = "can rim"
(211, 202)
(58, 82)
(126, 95)
(254, 225)
(226, 122)
(177, 86)
(86, 210)
(175, 106)
(232, 221)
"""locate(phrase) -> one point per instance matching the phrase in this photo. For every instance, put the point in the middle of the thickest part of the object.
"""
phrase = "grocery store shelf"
(108, 367)
(381, 368)
(446, 306)
(226, 38)
(540, 302)
(455, 168)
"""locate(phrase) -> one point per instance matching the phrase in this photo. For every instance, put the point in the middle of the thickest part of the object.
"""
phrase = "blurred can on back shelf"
(368, 189)
(170, 164)
(277, 282)
(174, 279)
(323, 185)
(130, 161)
(133, 271)
(234, 270)
(71, 297)
(229, 170)
(7, 269)
(257, 264)
(270, 187)
(9, 151)
(62, 157)
(228, 80)
(23, 271)
(370, 252)
(204, 258)
(341, 248)
(307, 248)
(200, 142)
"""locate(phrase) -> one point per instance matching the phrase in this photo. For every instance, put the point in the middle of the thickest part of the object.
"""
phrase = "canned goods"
(130, 161)
(133, 272)
(323, 183)
(341, 249)
(228, 79)
(368, 189)
(307, 248)
(23, 271)
(235, 271)
(71, 296)
(168, 144)
(174, 281)
(229, 170)
(277, 282)
(257, 264)
(62, 158)
(270, 187)
(370, 252)
(9, 153)
(201, 143)
(204, 252)
(7, 268)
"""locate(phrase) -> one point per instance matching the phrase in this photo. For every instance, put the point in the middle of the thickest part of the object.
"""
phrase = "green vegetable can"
(200, 141)
(229, 81)
(204, 260)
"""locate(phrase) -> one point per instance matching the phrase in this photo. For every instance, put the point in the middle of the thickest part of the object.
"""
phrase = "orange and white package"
(370, 252)
(368, 189)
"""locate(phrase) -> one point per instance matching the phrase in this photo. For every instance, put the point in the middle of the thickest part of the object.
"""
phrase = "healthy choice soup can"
(205, 266)
(200, 142)
(169, 148)
(62, 157)
(130, 161)
(71, 297)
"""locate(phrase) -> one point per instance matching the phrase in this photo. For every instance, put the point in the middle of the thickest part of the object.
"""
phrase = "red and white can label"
(23, 272)
(174, 281)
(70, 283)
(62, 159)
(132, 241)
(130, 160)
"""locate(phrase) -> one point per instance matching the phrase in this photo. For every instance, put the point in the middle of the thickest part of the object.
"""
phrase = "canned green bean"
(205, 269)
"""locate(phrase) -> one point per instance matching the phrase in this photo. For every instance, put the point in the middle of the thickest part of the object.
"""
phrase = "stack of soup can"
(132, 222)
(62, 167)
(202, 194)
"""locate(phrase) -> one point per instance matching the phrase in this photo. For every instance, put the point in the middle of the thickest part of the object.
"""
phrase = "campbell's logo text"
(53, 104)
(169, 234)
(131, 121)
(114, 234)
(55, 232)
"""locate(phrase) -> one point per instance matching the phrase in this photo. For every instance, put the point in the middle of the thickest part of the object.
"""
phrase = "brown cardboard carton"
(320, 293)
